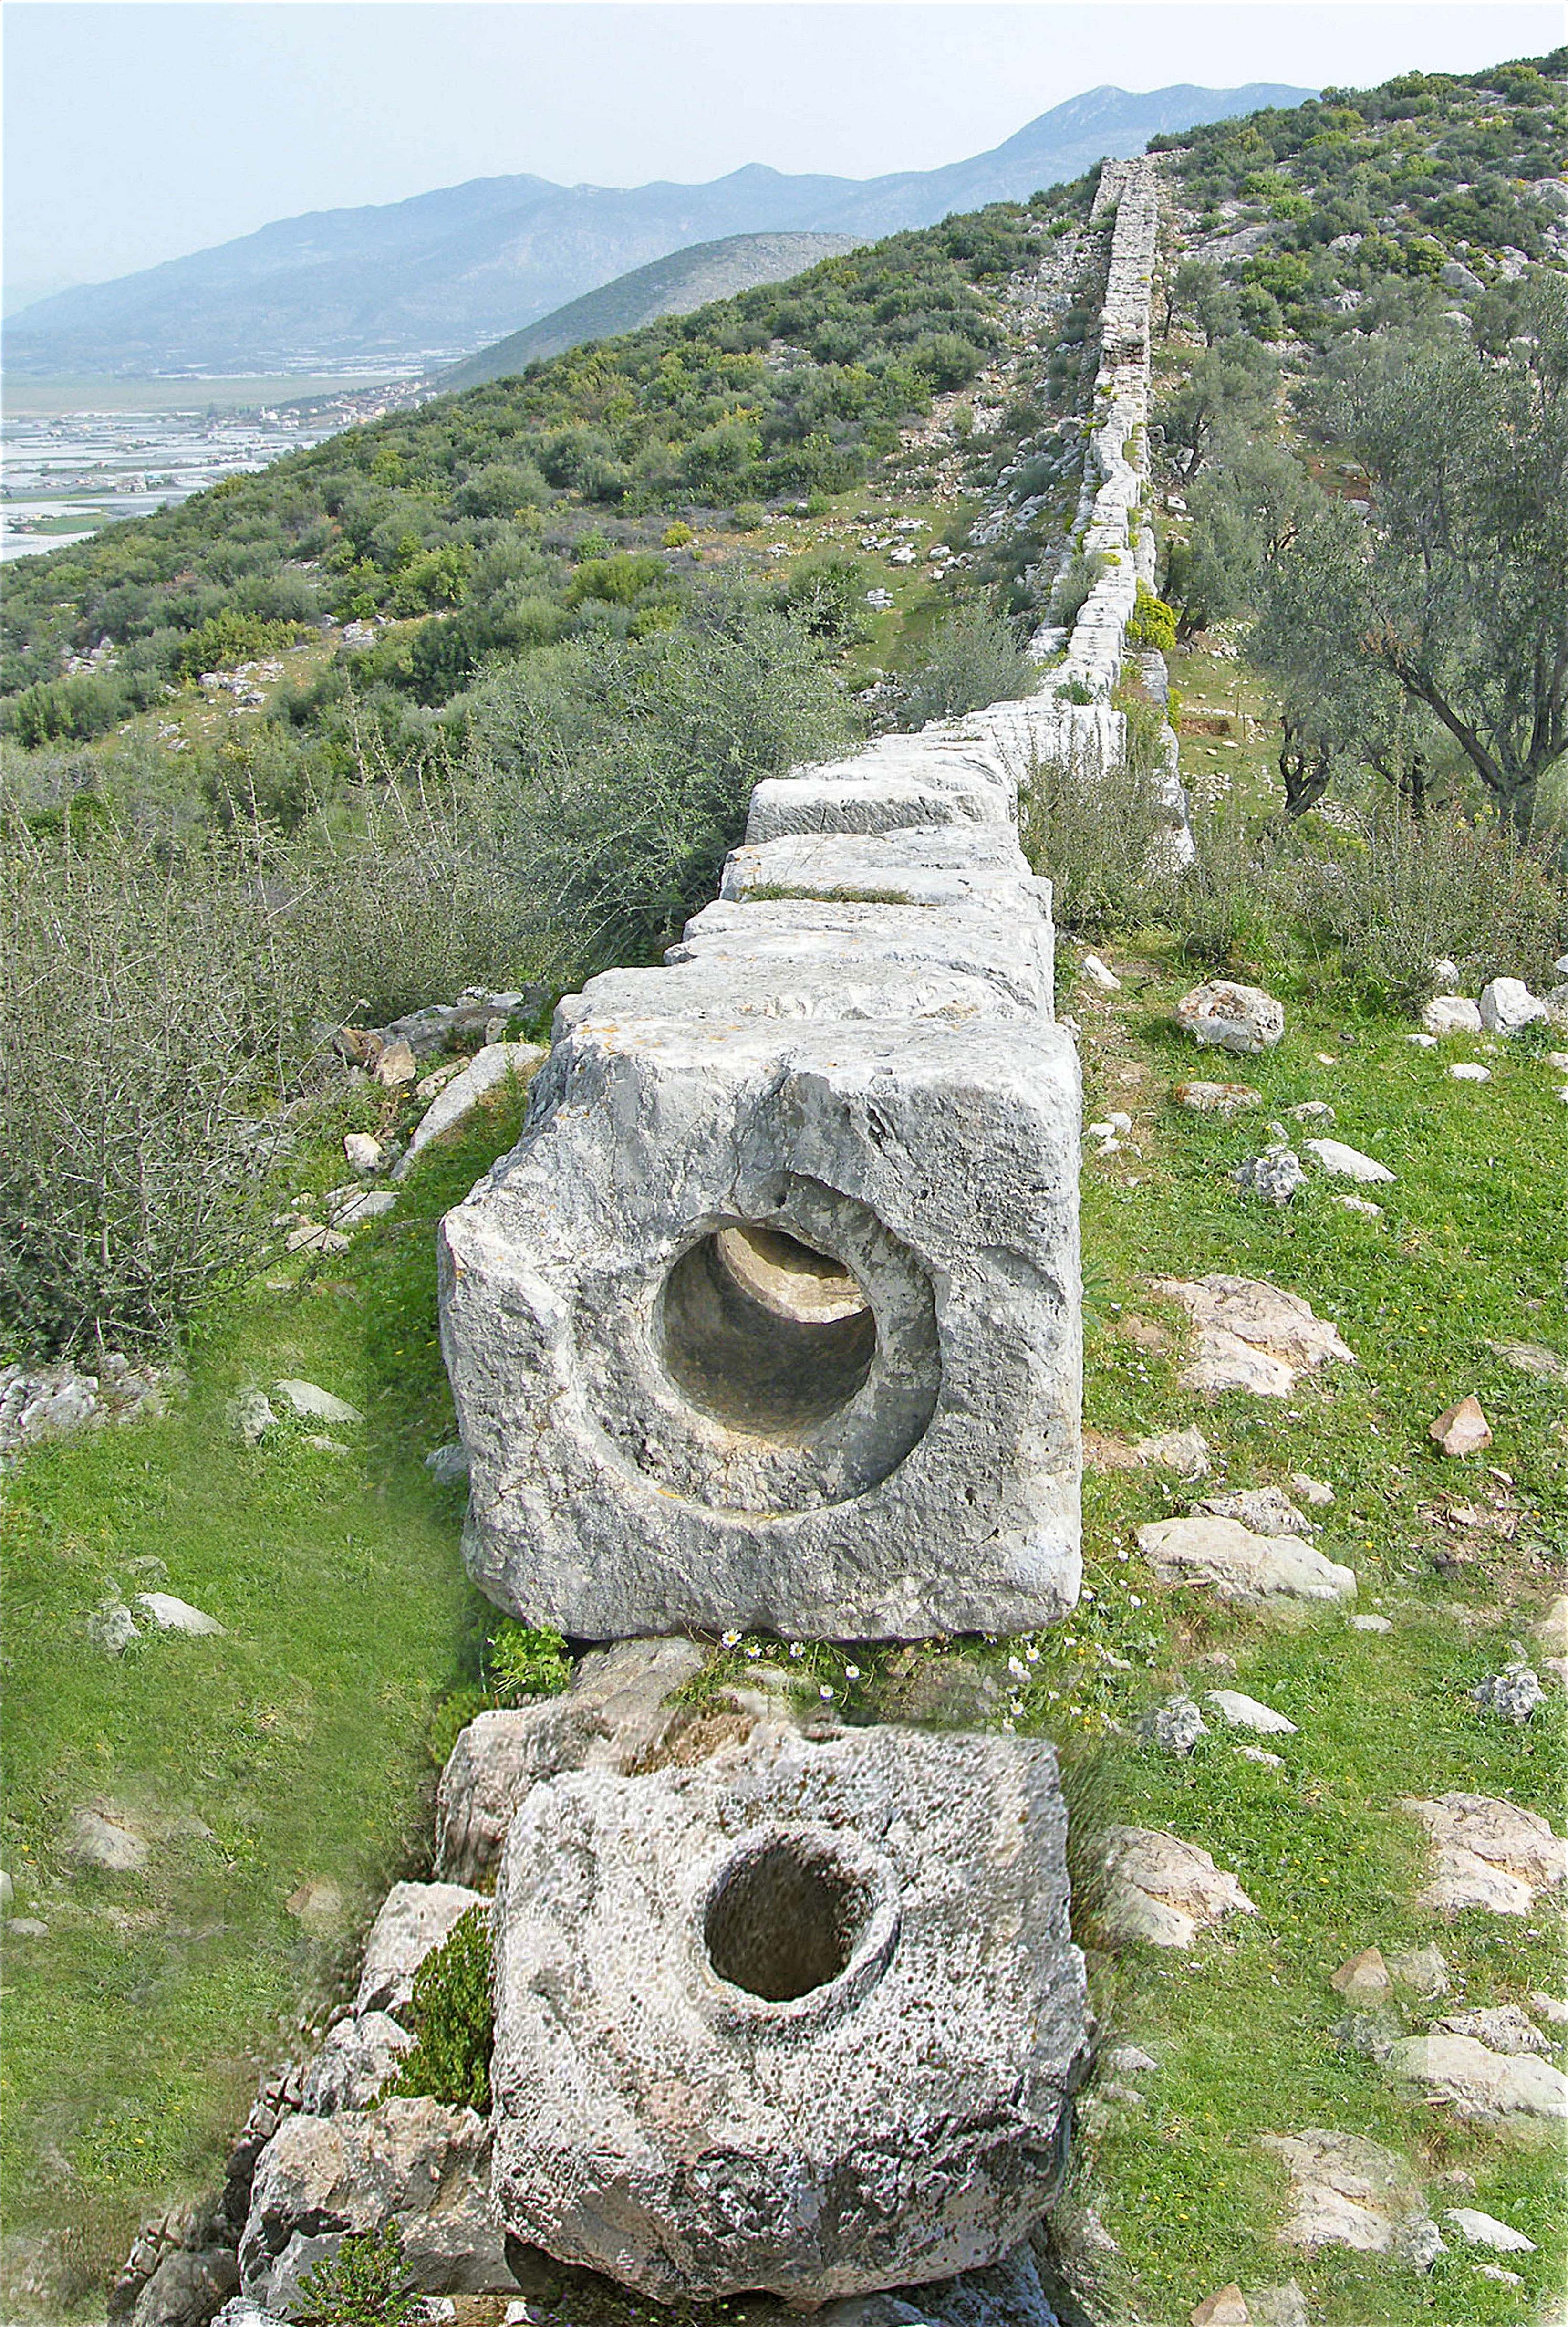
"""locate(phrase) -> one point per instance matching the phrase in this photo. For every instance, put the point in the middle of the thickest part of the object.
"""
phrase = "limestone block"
(414, 1918)
(811, 987)
(353, 2064)
(777, 1328)
(802, 2019)
(952, 864)
(1014, 955)
(781, 805)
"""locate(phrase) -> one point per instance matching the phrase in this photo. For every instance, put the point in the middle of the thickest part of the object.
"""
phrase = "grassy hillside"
(670, 287)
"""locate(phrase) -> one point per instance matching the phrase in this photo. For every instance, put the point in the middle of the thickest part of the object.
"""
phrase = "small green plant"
(363, 2284)
(519, 1663)
(676, 536)
(1153, 622)
(454, 2015)
(1075, 690)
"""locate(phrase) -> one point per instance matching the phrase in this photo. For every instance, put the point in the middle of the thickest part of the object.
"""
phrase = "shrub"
(1153, 622)
(676, 536)
(454, 2013)
(975, 659)
(1097, 835)
(363, 2284)
(230, 638)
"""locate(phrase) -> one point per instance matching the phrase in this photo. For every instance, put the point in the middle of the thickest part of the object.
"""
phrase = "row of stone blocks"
(771, 1322)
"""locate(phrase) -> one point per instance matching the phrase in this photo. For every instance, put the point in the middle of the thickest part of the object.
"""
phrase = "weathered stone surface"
(448, 1465)
(1485, 2230)
(1363, 1978)
(1502, 2027)
(111, 1626)
(1531, 1358)
(1223, 1015)
(1508, 1007)
(311, 1403)
(250, 1415)
(1273, 1176)
(700, 1363)
(1451, 1014)
(1481, 2084)
(1267, 1511)
(1249, 1335)
(1349, 2191)
(484, 1071)
(801, 2018)
(1487, 1852)
(1512, 1694)
(170, 1615)
(1226, 2307)
(1246, 1713)
(1163, 1890)
(613, 1717)
(187, 2290)
(1347, 1162)
(413, 2163)
(415, 1918)
(363, 1151)
(1215, 1098)
(397, 1067)
(1173, 1728)
(353, 2064)
(106, 1845)
(1008, 2294)
(1463, 1429)
(1229, 1560)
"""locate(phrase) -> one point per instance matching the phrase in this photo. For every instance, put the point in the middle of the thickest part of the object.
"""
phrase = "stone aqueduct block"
(804, 2018)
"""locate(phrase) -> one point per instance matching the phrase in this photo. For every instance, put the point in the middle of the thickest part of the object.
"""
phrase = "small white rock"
(1371, 1624)
(1258, 1753)
(1451, 1014)
(1347, 1162)
(1314, 1491)
(364, 1152)
(1096, 971)
(172, 1615)
(311, 1403)
(1507, 1005)
(1358, 1204)
(1469, 1070)
(1422, 1042)
(1247, 1713)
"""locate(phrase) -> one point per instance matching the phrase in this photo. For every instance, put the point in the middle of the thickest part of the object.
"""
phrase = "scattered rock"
(1185, 1451)
(1237, 1565)
(1281, 2306)
(108, 1846)
(1422, 1969)
(1250, 1335)
(1502, 2026)
(311, 1236)
(1514, 1694)
(1469, 1070)
(1310, 1110)
(1423, 1042)
(172, 1615)
(359, 2056)
(1463, 1429)
(448, 1465)
(319, 1904)
(1130, 2061)
(1264, 1509)
(1370, 1624)
(1223, 1015)
(7, 1893)
(615, 1716)
(1554, 2008)
(1508, 1007)
(429, 1086)
(26, 1927)
(1451, 1013)
(1347, 1162)
(1349, 2191)
(1275, 1175)
(1363, 1978)
(1246, 1713)
(1531, 1358)
(1485, 2230)
(1316, 1492)
(1163, 1890)
(1175, 1727)
(414, 2163)
(1358, 1204)
(414, 1918)
(250, 1416)
(1481, 2084)
(1487, 1852)
(1552, 1629)
(365, 1204)
(188, 2289)
(365, 1153)
(486, 1069)
(397, 1067)
(1216, 1098)
(112, 1628)
(1095, 970)
(1224, 2308)
(313, 1403)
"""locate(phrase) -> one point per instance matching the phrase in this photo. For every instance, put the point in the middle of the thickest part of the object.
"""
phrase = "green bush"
(229, 637)
(520, 1663)
(1098, 835)
(363, 2284)
(975, 659)
(453, 2012)
(1153, 622)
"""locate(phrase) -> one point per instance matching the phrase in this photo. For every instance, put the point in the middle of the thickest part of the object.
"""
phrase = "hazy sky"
(136, 130)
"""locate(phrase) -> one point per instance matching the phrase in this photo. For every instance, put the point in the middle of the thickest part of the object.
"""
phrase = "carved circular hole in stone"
(764, 1332)
(784, 1920)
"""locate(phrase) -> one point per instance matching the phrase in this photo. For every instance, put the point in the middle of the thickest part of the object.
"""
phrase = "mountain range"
(433, 277)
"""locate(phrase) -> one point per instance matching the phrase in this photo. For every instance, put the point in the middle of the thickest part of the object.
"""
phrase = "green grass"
(293, 1750)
